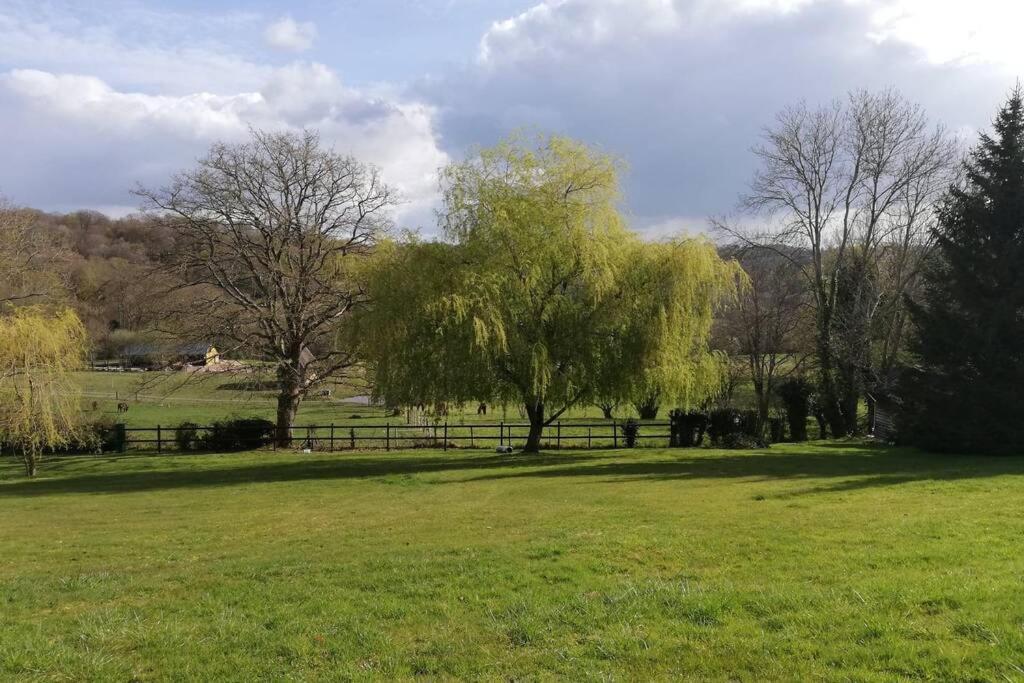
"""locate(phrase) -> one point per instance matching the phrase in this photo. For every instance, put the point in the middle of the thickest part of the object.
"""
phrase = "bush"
(630, 431)
(97, 436)
(796, 397)
(238, 434)
(186, 435)
(731, 428)
(686, 429)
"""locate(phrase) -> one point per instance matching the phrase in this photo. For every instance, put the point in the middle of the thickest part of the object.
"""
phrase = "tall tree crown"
(966, 391)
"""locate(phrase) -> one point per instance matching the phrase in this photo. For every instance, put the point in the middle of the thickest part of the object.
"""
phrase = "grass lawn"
(818, 561)
(168, 399)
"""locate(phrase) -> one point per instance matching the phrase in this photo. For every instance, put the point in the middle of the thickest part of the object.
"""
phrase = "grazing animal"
(122, 407)
(95, 406)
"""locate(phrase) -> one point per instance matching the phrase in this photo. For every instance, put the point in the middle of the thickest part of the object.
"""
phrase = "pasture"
(174, 397)
(830, 561)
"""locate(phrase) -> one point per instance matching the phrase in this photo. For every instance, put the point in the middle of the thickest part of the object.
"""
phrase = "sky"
(98, 97)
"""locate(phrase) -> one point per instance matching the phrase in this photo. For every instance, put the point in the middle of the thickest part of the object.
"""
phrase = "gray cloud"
(683, 101)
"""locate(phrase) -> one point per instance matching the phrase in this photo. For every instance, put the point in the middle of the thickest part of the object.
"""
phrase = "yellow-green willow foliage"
(532, 296)
(670, 293)
(40, 405)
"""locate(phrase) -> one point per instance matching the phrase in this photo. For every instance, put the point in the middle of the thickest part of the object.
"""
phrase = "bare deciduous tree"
(766, 330)
(847, 182)
(267, 233)
(28, 258)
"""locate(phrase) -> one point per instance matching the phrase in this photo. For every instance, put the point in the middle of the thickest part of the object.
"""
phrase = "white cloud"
(984, 31)
(150, 54)
(157, 133)
(555, 28)
(980, 31)
(288, 34)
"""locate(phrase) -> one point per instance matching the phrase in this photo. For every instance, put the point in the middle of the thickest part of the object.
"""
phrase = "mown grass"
(818, 561)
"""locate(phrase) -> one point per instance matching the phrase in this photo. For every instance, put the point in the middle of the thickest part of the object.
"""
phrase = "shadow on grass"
(204, 471)
(850, 466)
(853, 465)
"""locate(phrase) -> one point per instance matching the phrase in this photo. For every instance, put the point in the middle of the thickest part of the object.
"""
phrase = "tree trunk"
(822, 425)
(535, 411)
(608, 410)
(850, 401)
(871, 413)
(31, 464)
(287, 407)
(288, 398)
(762, 409)
(828, 398)
(648, 408)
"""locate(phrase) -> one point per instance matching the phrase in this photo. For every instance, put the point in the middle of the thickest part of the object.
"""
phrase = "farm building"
(155, 355)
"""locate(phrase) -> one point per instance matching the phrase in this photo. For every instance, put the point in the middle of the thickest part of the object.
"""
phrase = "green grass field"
(818, 561)
(171, 398)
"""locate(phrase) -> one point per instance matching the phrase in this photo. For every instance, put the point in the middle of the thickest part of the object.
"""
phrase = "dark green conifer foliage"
(966, 392)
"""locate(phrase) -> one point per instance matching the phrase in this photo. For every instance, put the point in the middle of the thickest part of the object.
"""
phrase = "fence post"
(121, 435)
(472, 444)
(558, 437)
(332, 438)
(159, 444)
(446, 435)
(387, 436)
(588, 435)
(501, 433)
(615, 435)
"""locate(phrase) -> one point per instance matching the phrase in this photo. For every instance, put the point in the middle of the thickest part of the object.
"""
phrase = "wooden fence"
(396, 436)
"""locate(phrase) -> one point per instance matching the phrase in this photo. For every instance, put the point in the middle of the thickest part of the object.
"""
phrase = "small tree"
(659, 353)
(769, 329)
(41, 405)
(267, 234)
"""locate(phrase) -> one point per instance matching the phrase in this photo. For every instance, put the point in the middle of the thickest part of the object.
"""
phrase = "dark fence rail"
(388, 436)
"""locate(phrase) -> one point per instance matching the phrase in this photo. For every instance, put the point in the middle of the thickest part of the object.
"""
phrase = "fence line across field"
(388, 435)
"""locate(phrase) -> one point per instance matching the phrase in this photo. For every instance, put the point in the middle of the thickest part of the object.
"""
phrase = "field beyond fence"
(387, 436)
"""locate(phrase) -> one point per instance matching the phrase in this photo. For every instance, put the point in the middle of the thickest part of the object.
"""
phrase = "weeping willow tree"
(529, 297)
(41, 406)
(659, 353)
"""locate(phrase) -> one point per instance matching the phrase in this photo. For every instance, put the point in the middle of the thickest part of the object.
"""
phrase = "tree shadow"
(303, 468)
(852, 466)
(827, 467)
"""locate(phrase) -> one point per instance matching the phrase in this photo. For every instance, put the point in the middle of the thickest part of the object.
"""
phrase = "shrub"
(186, 435)
(630, 431)
(687, 429)
(796, 397)
(98, 436)
(238, 434)
(727, 425)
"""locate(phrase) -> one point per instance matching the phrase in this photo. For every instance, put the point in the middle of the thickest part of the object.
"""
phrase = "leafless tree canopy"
(766, 329)
(29, 258)
(854, 185)
(269, 231)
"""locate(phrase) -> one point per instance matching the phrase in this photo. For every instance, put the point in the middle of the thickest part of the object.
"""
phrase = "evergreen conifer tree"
(966, 392)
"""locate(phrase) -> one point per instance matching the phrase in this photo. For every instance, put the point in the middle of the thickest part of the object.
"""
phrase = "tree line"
(868, 260)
